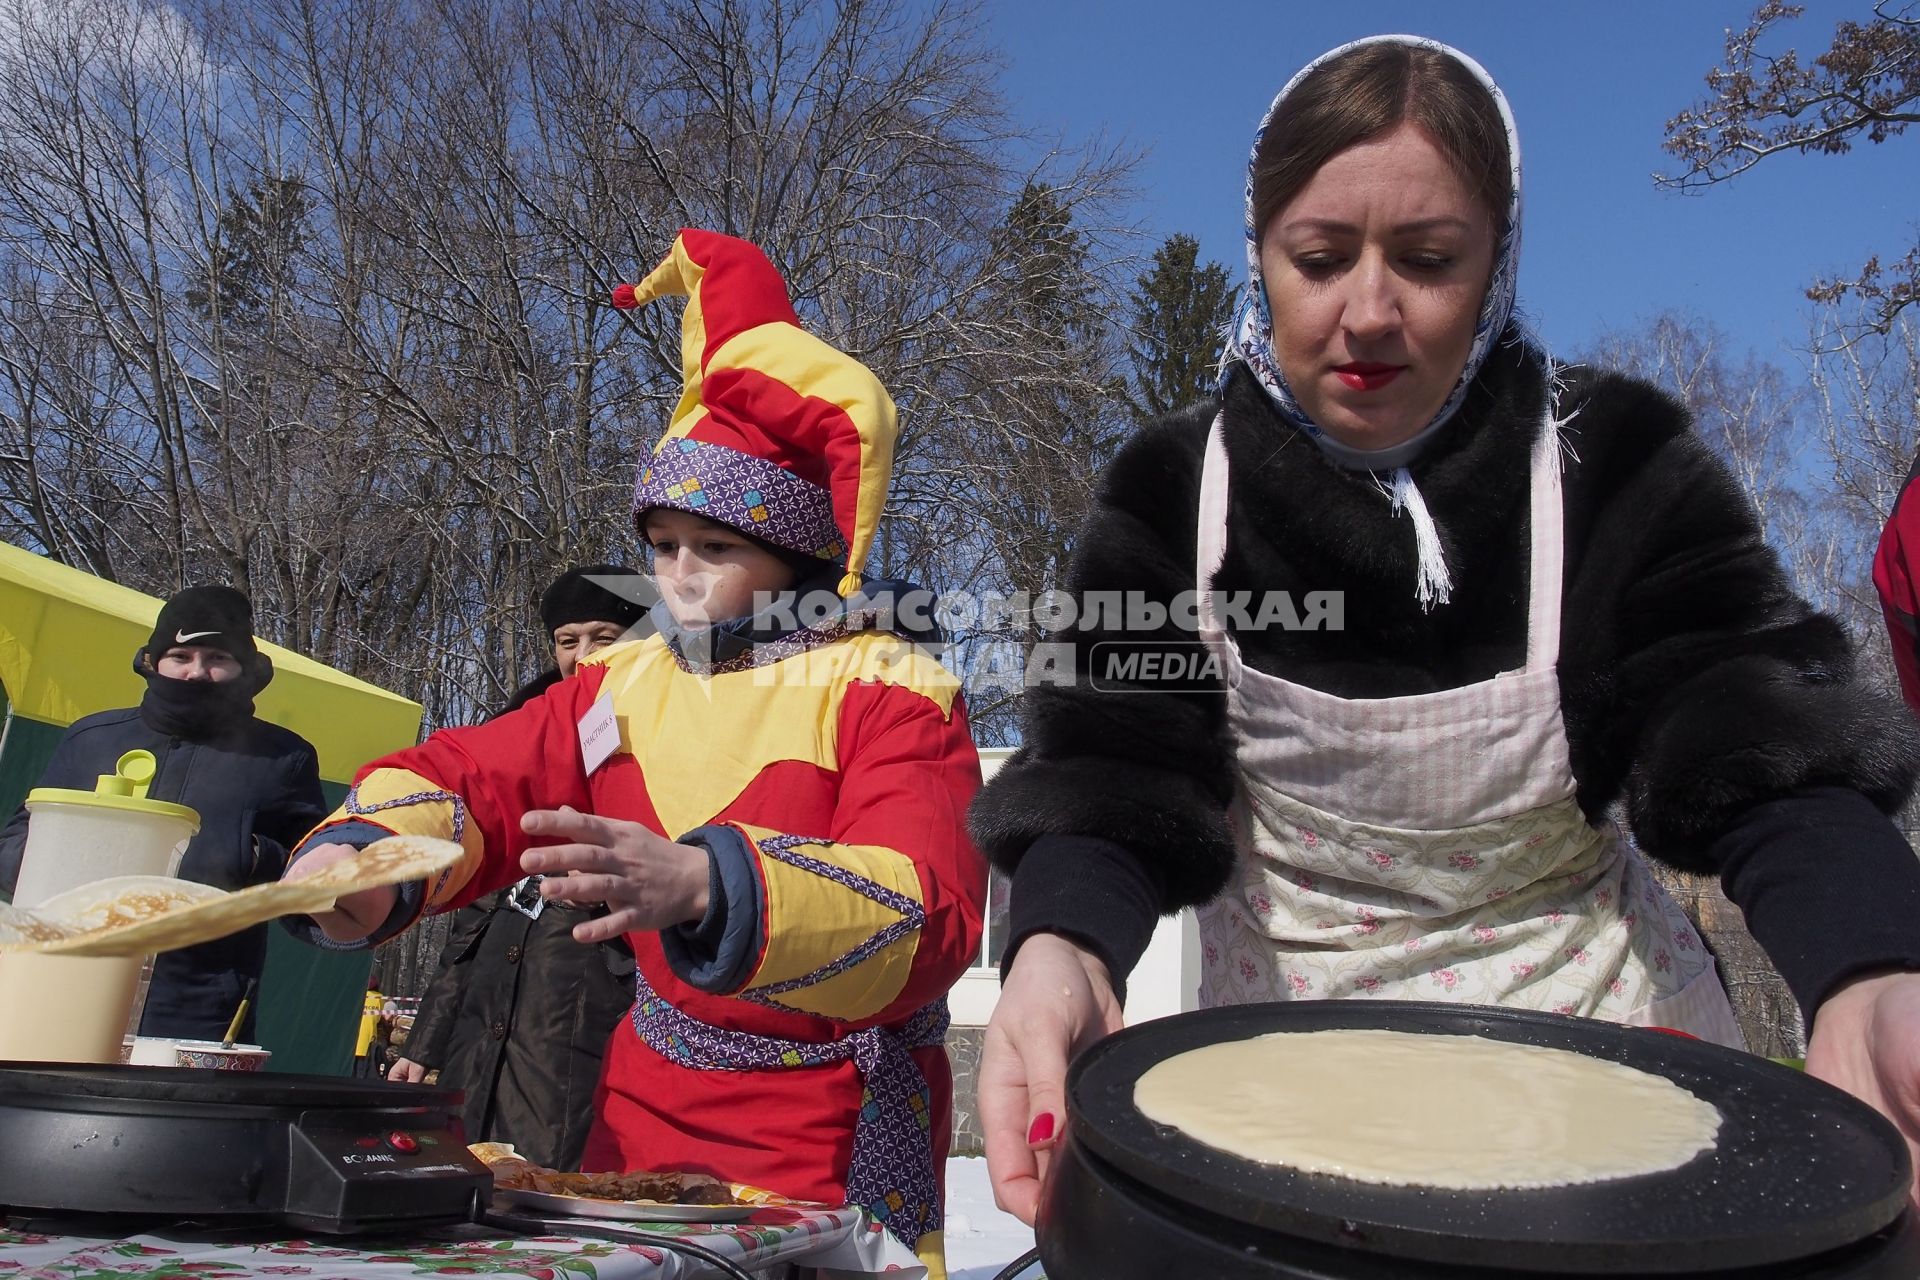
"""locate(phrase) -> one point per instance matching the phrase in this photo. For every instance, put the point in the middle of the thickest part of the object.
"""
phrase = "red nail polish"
(1041, 1130)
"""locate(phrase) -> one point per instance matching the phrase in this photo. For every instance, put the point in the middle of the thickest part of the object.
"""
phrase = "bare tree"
(1760, 105)
(1866, 398)
(1055, 409)
(309, 295)
(1752, 412)
(1823, 459)
(1761, 422)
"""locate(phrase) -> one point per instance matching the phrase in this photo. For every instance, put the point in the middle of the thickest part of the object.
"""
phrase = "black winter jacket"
(518, 1015)
(1700, 694)
(256, 787)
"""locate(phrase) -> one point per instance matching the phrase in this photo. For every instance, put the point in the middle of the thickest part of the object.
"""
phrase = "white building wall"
(1166, 980)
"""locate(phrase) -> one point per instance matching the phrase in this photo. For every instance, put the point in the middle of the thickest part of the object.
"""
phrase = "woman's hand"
(646, 880)
(1057, 1000)
(1866, 1040)
(354, 915)
(407, 1071)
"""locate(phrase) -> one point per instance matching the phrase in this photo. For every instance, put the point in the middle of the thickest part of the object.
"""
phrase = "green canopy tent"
(67, 641)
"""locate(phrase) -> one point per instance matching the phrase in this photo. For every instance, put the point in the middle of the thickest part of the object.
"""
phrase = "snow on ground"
(980, 1238)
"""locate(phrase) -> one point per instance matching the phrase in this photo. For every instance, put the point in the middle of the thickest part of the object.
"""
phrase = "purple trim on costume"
(743, 492)
(794, 642)
(356, 809)
(891, 1175)
(912, 918)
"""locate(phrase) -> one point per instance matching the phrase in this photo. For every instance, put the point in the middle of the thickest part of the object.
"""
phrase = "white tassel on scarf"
(1434, 585)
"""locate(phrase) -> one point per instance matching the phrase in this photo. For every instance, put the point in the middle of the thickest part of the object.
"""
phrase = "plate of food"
(584, 1206)
(625, 1197)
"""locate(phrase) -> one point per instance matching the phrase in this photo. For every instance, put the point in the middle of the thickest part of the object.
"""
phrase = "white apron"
(1430, 847)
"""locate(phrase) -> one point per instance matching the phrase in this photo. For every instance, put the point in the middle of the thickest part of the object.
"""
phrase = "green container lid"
(124, 789)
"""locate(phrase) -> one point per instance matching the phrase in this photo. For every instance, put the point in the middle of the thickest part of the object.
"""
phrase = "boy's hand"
(354, 915)
(647, 881)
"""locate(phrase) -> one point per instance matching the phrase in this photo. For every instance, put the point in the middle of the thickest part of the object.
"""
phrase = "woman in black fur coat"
(1456, 607)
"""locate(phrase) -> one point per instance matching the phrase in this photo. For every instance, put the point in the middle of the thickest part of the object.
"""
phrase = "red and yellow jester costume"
(793, 1039)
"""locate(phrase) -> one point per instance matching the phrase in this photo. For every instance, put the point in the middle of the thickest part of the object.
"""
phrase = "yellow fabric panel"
(789, 354)
(812, 368)
(932, 1252)
(424, 818)
(686, 418)
(67, 641)
(812, 921)
(744, 721)
(871, 656)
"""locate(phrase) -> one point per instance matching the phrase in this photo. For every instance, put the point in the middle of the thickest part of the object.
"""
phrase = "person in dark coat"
(256, 787)
(518, 1013)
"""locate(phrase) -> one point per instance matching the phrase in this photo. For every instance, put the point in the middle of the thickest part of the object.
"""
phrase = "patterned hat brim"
(742, 492)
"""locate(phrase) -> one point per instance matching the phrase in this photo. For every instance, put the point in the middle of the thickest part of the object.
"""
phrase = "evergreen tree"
(1180, 314)
(251, 257)
(1057, 396)
(1047, 269)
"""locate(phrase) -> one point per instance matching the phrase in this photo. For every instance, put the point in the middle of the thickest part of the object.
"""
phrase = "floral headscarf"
(1250, 338)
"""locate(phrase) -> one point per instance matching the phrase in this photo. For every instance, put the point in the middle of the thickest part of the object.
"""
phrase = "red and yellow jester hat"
(777, 434)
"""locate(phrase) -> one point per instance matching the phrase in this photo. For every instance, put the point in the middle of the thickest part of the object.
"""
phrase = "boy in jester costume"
(772, 809)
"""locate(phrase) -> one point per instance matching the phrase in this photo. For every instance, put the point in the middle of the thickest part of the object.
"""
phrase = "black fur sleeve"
(1121, 775)
(1703, 690)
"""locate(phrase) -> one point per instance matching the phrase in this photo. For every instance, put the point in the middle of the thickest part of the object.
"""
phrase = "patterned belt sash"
(892, 1176)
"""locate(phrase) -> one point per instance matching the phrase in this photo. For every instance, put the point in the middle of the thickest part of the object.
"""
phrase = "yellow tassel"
(848, 585)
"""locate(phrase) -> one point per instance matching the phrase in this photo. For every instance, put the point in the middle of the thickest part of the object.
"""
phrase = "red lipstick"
(1365, 375)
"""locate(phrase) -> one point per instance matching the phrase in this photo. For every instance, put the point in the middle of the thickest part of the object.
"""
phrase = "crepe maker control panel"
(349, 1173)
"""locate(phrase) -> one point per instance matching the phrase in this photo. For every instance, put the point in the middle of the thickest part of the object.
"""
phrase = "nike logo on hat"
(188, 637)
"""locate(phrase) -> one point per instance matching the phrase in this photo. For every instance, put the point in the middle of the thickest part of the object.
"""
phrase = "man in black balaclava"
(256, 787)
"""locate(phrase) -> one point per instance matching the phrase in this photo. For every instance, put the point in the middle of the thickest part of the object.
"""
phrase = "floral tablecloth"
(846, 1242)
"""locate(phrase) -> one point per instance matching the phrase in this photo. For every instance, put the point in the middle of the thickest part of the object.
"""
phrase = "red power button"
(402, 1141)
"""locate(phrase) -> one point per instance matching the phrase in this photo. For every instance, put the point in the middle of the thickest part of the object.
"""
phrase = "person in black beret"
(584, 610)
(256, 787)
(517, 1014)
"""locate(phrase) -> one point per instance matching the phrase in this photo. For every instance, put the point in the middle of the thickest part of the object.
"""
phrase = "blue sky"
(1592, 87)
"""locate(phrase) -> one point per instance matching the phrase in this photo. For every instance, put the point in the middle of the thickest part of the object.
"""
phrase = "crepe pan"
(1799, 1168)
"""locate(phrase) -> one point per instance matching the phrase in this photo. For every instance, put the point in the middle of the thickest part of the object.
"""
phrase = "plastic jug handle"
(131, 776)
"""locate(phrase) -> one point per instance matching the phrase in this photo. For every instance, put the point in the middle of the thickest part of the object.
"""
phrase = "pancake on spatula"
(98, 906)
(120, 917)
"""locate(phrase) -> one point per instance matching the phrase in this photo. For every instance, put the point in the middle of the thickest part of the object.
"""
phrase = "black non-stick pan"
(1798, 1167)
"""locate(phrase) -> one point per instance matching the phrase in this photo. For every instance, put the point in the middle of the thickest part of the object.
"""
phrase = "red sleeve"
(473, 784)
(1893, 578)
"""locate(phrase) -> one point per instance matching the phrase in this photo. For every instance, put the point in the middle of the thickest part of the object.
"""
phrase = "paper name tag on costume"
(599, 733)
